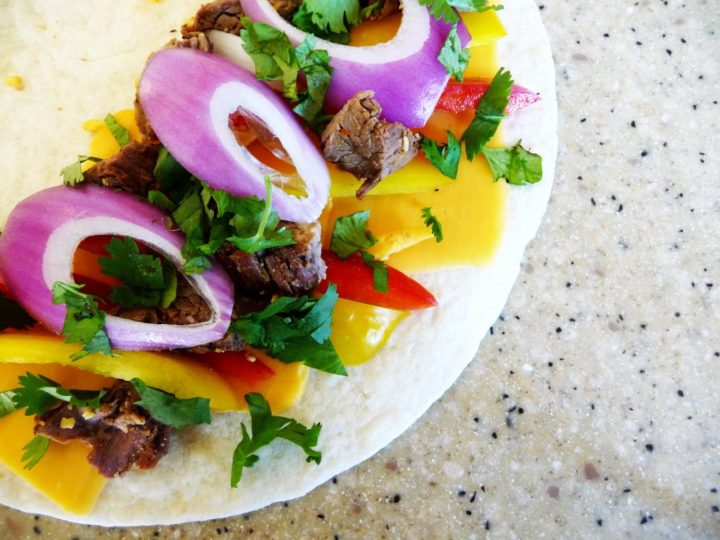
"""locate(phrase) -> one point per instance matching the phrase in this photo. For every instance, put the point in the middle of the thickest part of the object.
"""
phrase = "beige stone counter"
(591, 409)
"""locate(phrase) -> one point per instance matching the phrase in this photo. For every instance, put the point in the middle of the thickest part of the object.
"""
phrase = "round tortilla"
(79, 63)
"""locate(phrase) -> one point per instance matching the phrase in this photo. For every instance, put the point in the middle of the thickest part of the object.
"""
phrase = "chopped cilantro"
(37, 394)
(276, 60)
(265, 428)
(489, 113)
(12, 315)
(34, 451)
(73, 174)
(350, 235)
(515, 164)
(84, 321)
(337, 17)
(315, 64)
(120, 133)
(149, 280)
(7, 403)
(453, 56)
(446, 158)
(251, 214)
(168, 409)
(295, 330)
(434, 224)
(443, 9)
(303, 19)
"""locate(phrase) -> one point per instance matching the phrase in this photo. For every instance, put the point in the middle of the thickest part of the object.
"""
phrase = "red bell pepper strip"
(354, 281)
(459, 97)
(237, 365)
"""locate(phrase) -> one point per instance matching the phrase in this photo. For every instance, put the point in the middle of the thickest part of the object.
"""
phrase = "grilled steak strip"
(389, 7)
(129, 170)
(290, 270)
(120, 433)
(223, 15)
(363, 144)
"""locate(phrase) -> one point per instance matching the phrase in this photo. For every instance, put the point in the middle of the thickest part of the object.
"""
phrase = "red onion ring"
(404, 72)
(39, 242)
(188, 96)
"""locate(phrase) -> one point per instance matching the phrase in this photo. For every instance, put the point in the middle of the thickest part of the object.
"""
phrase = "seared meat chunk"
(193, 40)
(289, 270)
(363, 144)
(121, 434)
(129, 170)
(223, 15)
(286, 8)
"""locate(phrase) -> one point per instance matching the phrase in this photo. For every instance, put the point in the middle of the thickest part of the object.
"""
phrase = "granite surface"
(590, 410)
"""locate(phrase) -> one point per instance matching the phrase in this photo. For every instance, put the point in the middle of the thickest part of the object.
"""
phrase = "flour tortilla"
(79, 61)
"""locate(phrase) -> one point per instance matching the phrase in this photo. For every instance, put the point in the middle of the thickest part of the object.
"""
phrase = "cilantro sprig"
(264, 429)
(170, 410)
(38, 394)
(34, 451)
(445, 9)
(119, 132)
(277, 60)
(72, 174)
(148, 280)
(295, 330)
(84, 320)
(453, 56)
(210, 217)
(515, 164)
(445, 158)
(433, 223)
(349, 236)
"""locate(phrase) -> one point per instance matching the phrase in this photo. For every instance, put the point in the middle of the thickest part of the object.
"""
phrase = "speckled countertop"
(592, 409)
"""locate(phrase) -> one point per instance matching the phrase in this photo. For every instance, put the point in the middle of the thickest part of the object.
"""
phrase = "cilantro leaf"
(489, 113)
(446, 158)
(434, 224)
(84, 321)
(268, 219)
(7, 403)
(148, 280)
(303, 19)
(37, 394)
(315, 64)
(453, 56)
(295, 330)
(265, 428)
(380, 271)
(443, 9)
(273, 55)
(337, 16)
(516, 165)
(12, 315)
(350, 234)
(168, 409)
(120, 133)
(35, 450)
(73, 174)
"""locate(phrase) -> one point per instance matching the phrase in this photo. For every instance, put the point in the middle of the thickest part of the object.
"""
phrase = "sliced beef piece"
(389, 7)
(121, 434)
(363, 144)
(286, 8)
(223, 15)
(143, 124)
(129, 170)
(193, 40)
(229, 342)
(290, 270)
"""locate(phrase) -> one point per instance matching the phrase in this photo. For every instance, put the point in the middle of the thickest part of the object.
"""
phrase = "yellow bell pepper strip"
(103, 144)
(485, 27)
(173, 373)
(361, 330)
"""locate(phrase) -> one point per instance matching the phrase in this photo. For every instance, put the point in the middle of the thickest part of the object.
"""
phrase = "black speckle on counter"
(321, 516)
(36, 529)
(681, 393)
(649, 447)
(487, 525)
(646, 519)
(715, 508)
(396, 499)
(599, 522)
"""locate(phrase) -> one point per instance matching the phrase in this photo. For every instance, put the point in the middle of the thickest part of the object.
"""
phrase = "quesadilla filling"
(227, 222)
